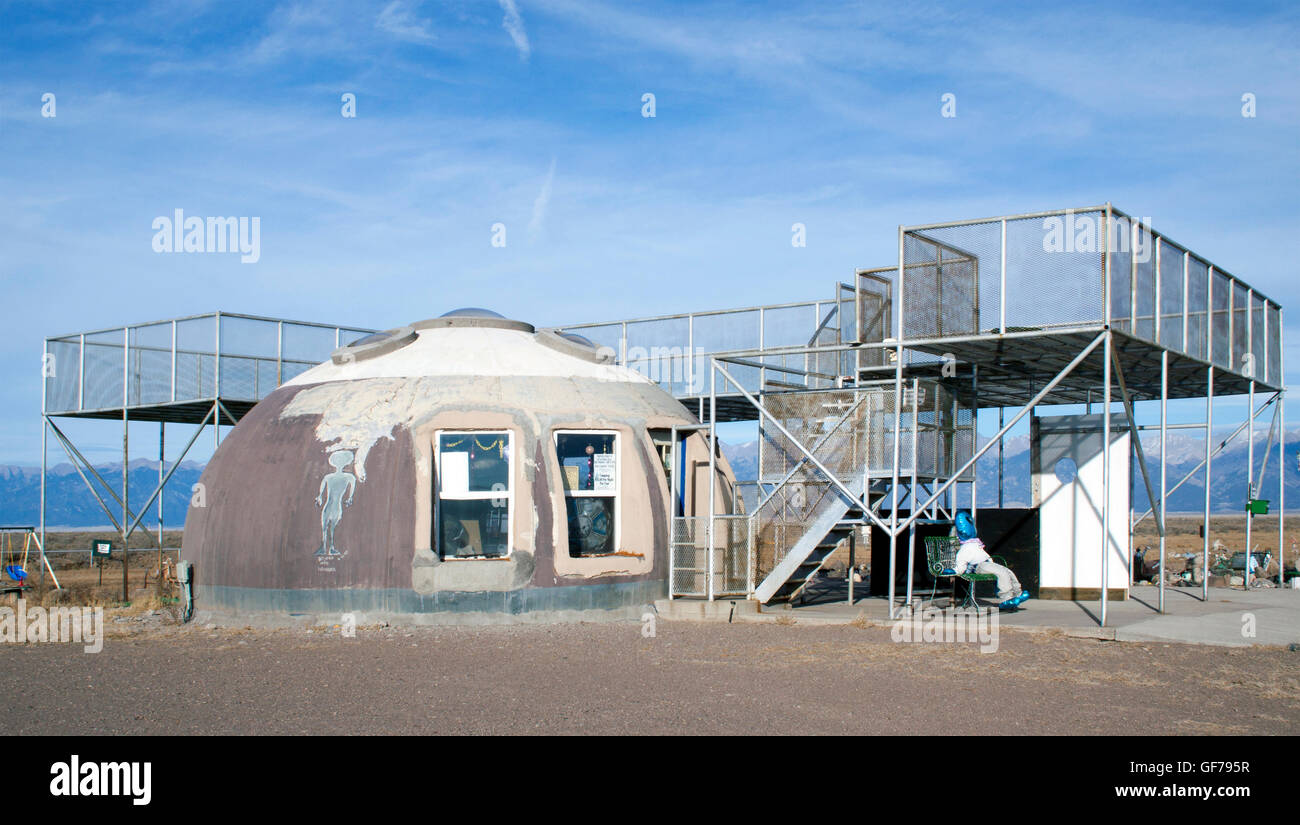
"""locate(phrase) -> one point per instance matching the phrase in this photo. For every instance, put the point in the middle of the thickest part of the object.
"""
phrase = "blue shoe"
(1009, 604)
(948, 571)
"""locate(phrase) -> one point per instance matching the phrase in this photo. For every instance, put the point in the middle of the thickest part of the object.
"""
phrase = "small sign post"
(100, 550)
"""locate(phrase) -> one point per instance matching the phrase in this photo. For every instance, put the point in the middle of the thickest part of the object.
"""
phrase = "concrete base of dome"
(619, 601)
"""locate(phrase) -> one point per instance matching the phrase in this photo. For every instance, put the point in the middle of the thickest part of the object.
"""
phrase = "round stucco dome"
(445, 468)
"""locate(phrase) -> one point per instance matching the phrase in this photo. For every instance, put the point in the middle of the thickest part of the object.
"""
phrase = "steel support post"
(673, 481)
(1209, 456)
(853, 561)
(1105, 477)
(1281, 490)
(893, 477)
(911, 534)
(974, 423)
(1250, 477)
(126, 462)
(1001, 459)
(1281, 455)
(713, 467)
(1164, 462)
(45, 430)
(162, 452)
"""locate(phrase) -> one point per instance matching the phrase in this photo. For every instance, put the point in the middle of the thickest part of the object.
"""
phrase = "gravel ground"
(608, 679)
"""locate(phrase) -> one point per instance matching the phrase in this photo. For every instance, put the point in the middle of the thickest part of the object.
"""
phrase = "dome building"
(464, 468)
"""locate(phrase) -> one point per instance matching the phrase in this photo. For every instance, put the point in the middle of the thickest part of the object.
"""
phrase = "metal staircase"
(792, 574)
(805, 516)
(821, 493)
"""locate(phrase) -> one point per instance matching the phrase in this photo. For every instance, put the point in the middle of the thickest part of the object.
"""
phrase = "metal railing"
(674, 350)
(215, 355)
(1078, 267)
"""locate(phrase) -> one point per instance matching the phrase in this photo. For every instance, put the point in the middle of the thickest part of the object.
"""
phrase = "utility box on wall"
(1066, 456)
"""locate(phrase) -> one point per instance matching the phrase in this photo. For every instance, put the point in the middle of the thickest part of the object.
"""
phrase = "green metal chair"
(940, 554)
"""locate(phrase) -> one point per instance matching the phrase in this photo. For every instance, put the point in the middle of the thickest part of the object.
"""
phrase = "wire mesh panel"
(1121, 276)
(1258, 341)
(729, 332)
(847, 321)
(1144, 285)
(1055, 269)
(250, 337)
(606, 336)
(308, 344)
(824, 366)
(196, 341)
(1221, 320)
(1198, 309)
(1240, 326)
(831, 425)
(1274, 370)
(104, 370)
(62, 372)
(941, 285)
(178, 360)
(789, 326)
(1171, 296)
(731, 559)
(349, 335)
(689, 563)
(944, 432)
(150, 364)
(875, 316)
(660, 350)
(290, 370)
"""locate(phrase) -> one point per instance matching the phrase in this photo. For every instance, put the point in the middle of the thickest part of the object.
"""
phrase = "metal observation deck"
(1016, 297)
(179, 369)
(208, 369)
(1074, 306)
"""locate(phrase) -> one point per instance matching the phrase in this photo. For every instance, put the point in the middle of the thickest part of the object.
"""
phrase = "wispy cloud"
(543, 202)
(514, 24)
(400, 20)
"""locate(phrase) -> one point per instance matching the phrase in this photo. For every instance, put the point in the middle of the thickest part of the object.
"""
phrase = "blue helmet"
(965, 527)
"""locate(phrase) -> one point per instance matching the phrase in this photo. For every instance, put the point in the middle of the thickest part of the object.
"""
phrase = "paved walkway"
(1229, 617)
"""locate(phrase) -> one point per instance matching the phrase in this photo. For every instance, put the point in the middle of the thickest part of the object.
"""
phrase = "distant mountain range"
(70, 504)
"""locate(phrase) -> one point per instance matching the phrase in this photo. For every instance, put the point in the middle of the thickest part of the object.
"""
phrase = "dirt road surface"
(609, 679)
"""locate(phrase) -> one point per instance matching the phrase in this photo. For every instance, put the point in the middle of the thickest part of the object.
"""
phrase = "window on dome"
(474, 495)
(589, 468)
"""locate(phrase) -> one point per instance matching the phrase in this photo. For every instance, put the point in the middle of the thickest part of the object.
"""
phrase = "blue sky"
(529, 113)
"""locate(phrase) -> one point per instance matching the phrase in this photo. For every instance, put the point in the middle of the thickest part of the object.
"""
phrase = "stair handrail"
(839, 485)
(832, 431)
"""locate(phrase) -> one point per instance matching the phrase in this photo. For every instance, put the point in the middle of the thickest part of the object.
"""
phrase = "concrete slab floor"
(1230, 617)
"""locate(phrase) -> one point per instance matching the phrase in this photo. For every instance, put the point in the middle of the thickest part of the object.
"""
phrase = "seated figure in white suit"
(972, 558)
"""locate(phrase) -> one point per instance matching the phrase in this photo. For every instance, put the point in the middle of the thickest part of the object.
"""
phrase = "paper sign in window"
(455, 473)
(603, 471)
